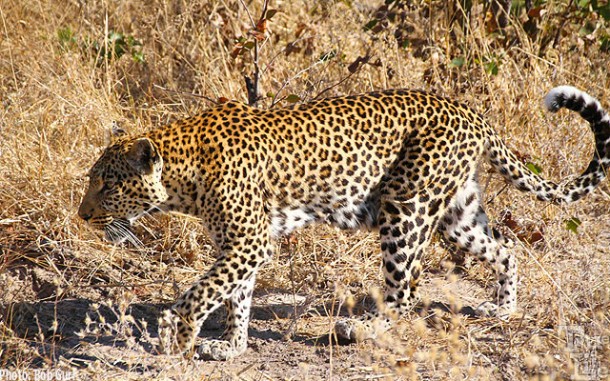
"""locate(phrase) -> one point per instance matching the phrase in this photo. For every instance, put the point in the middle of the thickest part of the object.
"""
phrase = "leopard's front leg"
(230, 279)
(234, 340)
(180, 325)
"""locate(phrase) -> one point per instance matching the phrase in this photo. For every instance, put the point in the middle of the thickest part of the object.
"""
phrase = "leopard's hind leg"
(415, 194)
(466, 225)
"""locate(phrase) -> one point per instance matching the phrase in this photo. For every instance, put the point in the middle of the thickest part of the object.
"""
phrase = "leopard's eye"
(108, 184)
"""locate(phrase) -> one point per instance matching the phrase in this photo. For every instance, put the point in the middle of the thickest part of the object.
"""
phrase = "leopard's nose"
(84, 212)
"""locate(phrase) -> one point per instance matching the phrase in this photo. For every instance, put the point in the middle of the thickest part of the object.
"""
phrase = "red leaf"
(536, 12)
(261, 26)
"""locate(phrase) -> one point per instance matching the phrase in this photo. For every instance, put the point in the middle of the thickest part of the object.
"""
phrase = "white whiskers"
(119, 231)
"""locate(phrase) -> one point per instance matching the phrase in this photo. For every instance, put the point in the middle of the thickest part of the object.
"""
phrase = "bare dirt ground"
(290, 339)
(73, 306)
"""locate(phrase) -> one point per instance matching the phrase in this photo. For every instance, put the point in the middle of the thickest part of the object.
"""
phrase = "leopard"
(403, 163)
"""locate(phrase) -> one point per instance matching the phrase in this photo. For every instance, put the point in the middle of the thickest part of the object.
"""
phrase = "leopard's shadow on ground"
(58, 329)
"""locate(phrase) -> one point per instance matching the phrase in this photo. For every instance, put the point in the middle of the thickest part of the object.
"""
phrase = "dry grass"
(72, 302)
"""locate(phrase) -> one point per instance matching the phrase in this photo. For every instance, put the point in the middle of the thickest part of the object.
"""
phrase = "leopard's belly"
(344, 213)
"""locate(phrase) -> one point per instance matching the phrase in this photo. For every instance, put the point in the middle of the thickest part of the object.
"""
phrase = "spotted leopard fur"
(403, 162)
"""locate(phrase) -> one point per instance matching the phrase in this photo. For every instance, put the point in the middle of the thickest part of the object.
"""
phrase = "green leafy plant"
(116, 46)
(491, 64)
(458, 62)
(113, 47)
(293, 98)
(120, 44)
(67, 39)
(573, 224)
(535, 168)
(328, 56)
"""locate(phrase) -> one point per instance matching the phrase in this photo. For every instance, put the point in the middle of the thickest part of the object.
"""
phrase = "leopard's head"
(124, 184)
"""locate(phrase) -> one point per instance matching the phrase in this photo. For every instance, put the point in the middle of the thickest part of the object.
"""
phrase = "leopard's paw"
(219, 350)
(360, 328)
(175, 334)
(489, 309)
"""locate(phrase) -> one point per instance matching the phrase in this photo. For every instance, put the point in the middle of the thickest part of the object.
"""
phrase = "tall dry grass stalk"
(71, 301)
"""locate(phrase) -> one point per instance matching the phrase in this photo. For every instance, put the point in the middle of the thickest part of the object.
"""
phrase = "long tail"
(508, 165)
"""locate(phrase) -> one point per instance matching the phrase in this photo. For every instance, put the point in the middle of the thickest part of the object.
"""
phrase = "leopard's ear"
(143, 155)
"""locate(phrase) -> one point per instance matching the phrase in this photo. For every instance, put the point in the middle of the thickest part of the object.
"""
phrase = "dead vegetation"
(70, 71)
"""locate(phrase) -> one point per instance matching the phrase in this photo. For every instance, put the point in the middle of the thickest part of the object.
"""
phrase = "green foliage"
(458, 62)
(293, 98)
(535, 168)
(118, 45)
(572, 224)
(589, 19)
(604, 43)
(595, 24)
(593, 6)
(67, 39)
(270, 13)
(491, 64)
(255, 35)
(328, 56)
(113, 47)
(390, 18)
(370, 25)
(582, 22)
